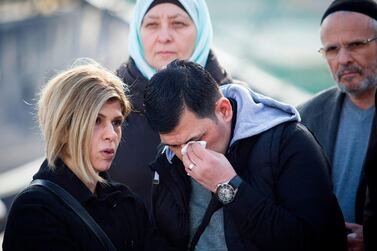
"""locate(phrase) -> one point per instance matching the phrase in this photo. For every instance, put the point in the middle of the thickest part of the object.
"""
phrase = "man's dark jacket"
(284, 203)
(38, 220)
(370, 166)
(321, 115)
(139, 142)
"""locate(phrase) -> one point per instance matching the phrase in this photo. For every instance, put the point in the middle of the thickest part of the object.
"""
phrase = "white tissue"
(184, 147)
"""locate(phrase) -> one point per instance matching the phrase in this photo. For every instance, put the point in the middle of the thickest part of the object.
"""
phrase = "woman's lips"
(165, 53)
(108, 153)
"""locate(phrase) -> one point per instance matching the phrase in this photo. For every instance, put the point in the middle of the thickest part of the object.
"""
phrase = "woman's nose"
(165, 34)
(109, 132)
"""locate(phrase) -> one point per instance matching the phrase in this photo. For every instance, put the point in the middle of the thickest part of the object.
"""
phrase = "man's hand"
(355, 239)
(207, 167)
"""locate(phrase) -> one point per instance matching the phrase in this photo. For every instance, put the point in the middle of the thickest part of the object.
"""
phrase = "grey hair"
(373, 25)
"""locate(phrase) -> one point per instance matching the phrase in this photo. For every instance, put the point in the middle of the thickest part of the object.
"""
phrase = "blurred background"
(270, 44)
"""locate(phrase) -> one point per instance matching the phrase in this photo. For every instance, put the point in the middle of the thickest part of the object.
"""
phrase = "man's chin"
(353, 89)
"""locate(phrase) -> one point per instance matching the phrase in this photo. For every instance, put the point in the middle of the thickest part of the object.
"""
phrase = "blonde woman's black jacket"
(38, 220)
(285, 202)
(139, 142)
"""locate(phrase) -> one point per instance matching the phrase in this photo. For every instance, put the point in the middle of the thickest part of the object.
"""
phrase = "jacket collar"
(65, 178)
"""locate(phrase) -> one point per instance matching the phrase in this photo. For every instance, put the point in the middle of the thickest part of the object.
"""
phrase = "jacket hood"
(256, 113)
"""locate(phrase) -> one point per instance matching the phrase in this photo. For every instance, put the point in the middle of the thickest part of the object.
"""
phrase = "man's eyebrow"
(169, 145)
(193, 138)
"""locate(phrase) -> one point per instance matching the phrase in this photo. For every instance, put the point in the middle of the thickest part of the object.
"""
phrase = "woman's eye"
(178, 24)
(117, 123)
(98, 121)
(151, 25)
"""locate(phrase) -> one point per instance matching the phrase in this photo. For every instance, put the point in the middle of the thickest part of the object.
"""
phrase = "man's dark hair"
(180, 85)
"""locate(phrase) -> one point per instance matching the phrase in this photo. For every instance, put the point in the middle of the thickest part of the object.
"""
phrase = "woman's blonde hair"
(67, 110)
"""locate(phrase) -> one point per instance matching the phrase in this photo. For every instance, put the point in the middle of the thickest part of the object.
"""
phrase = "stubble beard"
(363, 86)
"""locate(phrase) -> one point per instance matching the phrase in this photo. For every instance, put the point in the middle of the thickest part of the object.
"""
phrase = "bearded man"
(341, 116)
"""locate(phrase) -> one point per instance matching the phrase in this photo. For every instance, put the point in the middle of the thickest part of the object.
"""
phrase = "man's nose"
(344, 56)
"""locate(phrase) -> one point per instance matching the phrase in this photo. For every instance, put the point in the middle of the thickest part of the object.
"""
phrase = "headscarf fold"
(198, 11)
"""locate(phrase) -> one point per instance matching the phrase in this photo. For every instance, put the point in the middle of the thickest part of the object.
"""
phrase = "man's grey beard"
(366, 84)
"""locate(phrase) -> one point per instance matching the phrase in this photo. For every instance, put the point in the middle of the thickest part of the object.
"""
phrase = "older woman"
(80, 113)
(160, 31)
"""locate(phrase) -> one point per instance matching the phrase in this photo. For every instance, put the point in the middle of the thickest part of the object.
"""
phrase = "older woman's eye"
(150, 25)
(179, 24)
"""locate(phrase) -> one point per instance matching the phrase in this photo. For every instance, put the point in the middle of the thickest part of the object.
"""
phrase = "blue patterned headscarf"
(198, 11)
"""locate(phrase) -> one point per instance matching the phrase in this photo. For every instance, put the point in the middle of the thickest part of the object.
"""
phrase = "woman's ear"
(223, 109)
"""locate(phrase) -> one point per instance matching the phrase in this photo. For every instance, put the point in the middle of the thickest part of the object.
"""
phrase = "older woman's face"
(106, 136)
(167, 33)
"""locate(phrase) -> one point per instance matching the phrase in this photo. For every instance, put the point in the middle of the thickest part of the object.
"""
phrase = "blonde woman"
(80, 112)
